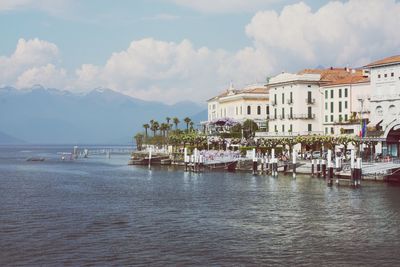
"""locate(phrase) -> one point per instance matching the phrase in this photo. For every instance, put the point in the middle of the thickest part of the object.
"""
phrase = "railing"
(304, 116)
(290, 116)
(287, 134)
(273, 103)
(310, 100)
(289, 101)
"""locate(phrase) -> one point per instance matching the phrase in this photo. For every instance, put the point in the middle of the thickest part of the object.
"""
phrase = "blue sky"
(85, 44)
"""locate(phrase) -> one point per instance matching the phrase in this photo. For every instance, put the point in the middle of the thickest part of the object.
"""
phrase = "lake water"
(99, 211)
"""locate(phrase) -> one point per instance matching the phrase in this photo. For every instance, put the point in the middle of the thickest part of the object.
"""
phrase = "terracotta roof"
(331, 74)
(351, 79)
(385, 61)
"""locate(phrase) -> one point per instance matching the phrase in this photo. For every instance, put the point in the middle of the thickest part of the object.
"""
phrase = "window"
(379, 76)
(291, 128)
(392, 74)
(291, 97)
(331, 118)
(276, 128)
(346, 118)
(275, 99)
(283, 128)
(326, 118)
(345, 104)
(237, 111)
(340, 118)
(291, 113)
(326, 130)
(248, 110)
(309, 86)
(309, 97)
(267, 110)
(331, 93)
(283, 98)
(309, 112)
(326, 105)
(309, 127)
(331, 107)
(340, 106)
(275, 113)
(385, 75)
(340, 93)
(346, 92)
(283, 113)
(332, 131)
(259, 110)
(326, 94)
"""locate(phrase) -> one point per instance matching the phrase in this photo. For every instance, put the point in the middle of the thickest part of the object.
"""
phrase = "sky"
(176, 50)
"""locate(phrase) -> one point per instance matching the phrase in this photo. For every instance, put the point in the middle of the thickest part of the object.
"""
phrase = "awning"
(375, 122)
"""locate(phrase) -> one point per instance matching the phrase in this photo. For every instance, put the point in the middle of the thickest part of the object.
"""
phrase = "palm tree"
(146, 126)
(154, 127)
(168, 119)
(163, 128)
(176, 122)
(191, 126)
(187, 120)
(139, 141)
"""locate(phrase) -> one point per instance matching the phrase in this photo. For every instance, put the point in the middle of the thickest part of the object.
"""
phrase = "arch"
(393, 126)
(379, 111)
(392, 110)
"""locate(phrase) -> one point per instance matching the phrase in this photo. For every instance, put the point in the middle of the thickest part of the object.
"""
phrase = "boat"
(35, 159)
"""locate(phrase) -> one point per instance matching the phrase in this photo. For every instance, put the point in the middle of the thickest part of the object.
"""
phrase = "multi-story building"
(346, 103)
(385, 102)
(252, 102)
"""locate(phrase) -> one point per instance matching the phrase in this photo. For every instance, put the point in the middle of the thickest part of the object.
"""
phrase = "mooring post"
(358, 167)
(150, 158)
(185, 158)
(267, 167)
(330, 168)
(312, 167)
(352, 177)
(323, 168)
(294, 161)
(254, 162)
(262, 164)
(318, 168)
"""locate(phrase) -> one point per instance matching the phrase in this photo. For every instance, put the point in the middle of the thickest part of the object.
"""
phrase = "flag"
(364, 129)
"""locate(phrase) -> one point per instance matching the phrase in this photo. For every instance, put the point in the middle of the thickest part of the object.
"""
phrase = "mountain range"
(51, 116)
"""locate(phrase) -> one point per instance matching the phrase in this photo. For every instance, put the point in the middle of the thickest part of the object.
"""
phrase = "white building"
(385, 102)
(346, 103)
(252, 102)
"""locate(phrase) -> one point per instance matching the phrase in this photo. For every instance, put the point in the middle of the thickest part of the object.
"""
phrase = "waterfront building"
(385, 104)
(296, 101)
(251, 102)
(346, 106)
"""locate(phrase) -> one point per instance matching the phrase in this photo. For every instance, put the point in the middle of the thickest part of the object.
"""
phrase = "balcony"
(304, 116)
(289, 101)
(287, 134)
(310, 101)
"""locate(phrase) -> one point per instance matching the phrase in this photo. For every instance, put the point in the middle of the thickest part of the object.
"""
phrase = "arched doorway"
(392, 135)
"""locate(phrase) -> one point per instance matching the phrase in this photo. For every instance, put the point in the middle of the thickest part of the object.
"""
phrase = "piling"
(185, 158)
(330, 168)
(150, 158)
(294, 159)
(352, 176)
(254, 162)
(318, 168)
(323, 168)
(358, 172)
(312, 167)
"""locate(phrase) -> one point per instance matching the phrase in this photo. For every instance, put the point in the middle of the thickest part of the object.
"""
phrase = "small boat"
(166, 161)
(35, 159)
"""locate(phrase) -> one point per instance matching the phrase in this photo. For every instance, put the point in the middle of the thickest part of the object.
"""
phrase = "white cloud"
(225, 6)
(28, 54)
(337, 34)
(47, 75)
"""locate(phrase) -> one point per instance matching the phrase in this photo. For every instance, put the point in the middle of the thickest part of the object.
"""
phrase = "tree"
(191, 126)
(187, 120)
(249, 128)
(139, 141)
(176, 122)
(146, 126)
(154, 126)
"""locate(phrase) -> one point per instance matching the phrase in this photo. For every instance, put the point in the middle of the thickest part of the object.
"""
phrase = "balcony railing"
(289, 101)
(290, 116)
(273, 103)
(287, 134)
(304, 116)
(310, 100)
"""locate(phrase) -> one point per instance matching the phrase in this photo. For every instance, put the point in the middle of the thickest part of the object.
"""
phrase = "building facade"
(346, 105)
(251, 102)
(385, 103)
